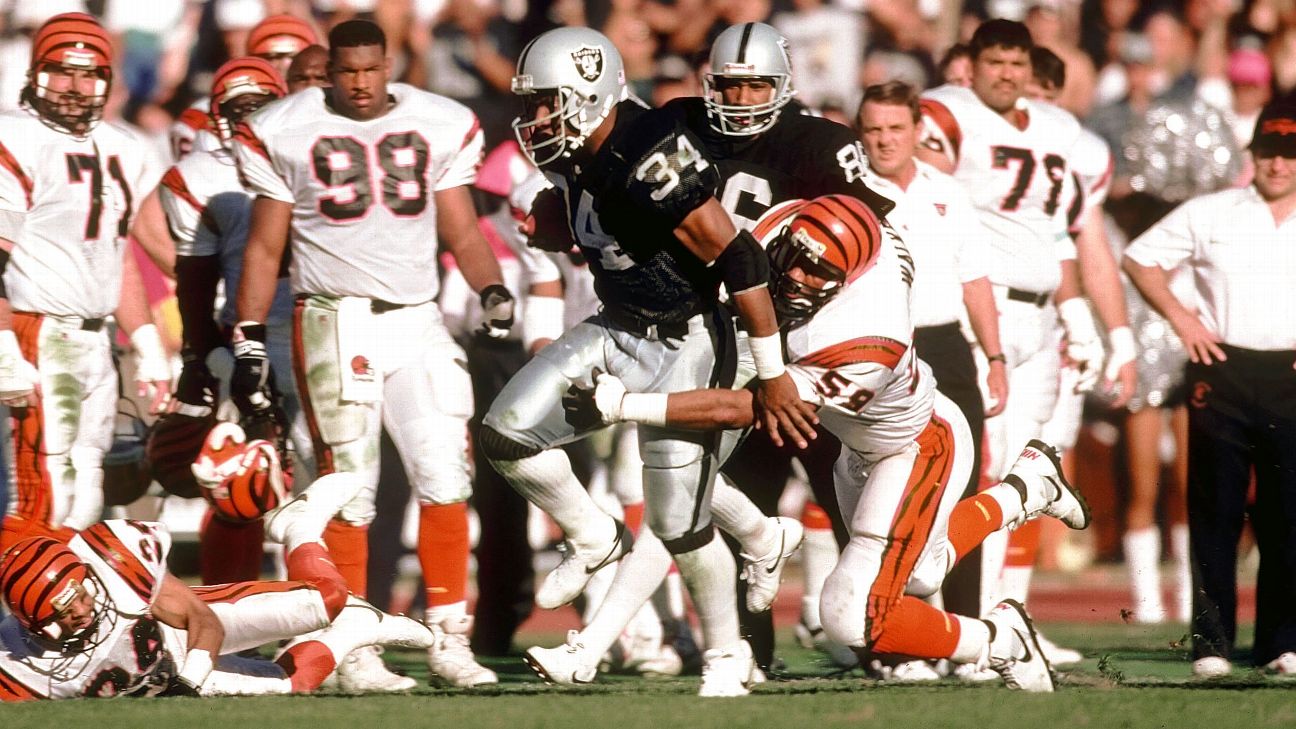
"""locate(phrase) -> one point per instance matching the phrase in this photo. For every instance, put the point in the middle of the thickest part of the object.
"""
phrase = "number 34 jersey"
(364, 217)
(130, 652)
(1018, 177)
(66, 204)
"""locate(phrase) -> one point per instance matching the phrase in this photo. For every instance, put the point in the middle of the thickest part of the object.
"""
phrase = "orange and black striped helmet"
(246, 76)
(39, 578)
(835, 238)
(69, 41)
(280, 35)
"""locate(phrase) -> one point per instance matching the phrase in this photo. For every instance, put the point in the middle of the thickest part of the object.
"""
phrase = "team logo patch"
(940, 209)
(589, 62)
(361, 368)
(1199, 392)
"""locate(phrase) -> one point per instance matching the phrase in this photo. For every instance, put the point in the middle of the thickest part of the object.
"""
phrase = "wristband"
(1077, 319)
(997, 358)
(646, 408)
(767, 352)
(197, 666)
(152, 362)
(542, 318)
(1123, 347)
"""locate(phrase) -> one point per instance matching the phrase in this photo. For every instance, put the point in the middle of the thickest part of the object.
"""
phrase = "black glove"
(250, 385)
(548, 228)
(197, 387)
(497, 307)
(179, 687)
(580, 410)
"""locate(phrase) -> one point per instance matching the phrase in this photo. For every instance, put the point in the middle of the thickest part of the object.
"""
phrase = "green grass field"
(1133, 676)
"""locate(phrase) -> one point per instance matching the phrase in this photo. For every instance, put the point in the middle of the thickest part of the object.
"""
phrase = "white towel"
(357, 348)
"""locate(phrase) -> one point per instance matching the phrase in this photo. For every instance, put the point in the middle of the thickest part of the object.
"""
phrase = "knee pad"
(499, 447)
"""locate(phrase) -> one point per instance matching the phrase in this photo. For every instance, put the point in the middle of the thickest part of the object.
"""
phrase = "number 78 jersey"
(1018, 177)
(364, 217)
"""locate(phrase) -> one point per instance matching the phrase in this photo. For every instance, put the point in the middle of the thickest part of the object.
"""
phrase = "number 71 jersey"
(1018, 177)
(364, 218)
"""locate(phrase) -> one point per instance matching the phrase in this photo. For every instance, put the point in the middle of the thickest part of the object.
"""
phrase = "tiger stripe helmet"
(39, 579)
(835, 238)
(280, 35)
(69, 41)
(242, 478)
(244, 76)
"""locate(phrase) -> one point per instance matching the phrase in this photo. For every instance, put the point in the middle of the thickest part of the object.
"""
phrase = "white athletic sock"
(1014, 584)
(974, 639)
(1143, 559)
(437, 613)
(709, 573)
(1182, 556)
(818, 557)
(733, 512)
(637, 575)
(994, 550)
(546, 480)
(1009, 500)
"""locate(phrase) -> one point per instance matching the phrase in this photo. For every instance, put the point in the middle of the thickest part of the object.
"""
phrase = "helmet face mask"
(796, 269)
(745, 53)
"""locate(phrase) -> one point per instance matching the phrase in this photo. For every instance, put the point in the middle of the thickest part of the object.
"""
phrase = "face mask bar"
(743, 120)
(796, 301)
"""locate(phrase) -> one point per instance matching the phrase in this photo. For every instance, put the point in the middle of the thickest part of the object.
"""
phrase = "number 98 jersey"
(1018, 177)
(364, 217)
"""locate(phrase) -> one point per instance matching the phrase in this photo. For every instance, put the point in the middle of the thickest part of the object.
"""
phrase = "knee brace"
(499, 447)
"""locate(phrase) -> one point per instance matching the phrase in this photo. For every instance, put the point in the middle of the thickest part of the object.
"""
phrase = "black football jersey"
(799, 157)
(624, 205)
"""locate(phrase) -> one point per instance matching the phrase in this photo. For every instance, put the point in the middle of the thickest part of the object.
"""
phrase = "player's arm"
(19, 380)
(983, 315)
(459, 233)
(609, 402)
(1100, 279)
(177, 606)
(150, 230)
(135, 317)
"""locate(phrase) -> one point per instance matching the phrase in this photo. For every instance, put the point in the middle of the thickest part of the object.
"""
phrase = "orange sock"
(813, 516)
(310, 563)
(1023, 545)
(914, 628)
(348, 545)
(307, 665)
(443, 552)
(972, 521)
(634, 517)
(229, 552)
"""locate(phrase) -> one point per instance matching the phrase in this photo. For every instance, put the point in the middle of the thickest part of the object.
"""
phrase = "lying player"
(101, 616)
(841, 287)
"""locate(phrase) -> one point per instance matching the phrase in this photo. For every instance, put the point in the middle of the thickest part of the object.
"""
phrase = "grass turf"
(1132, 676)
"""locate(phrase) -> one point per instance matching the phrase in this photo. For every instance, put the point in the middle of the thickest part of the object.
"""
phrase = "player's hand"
(1084, 348)
(1120, 376)
(545, 226)
(1201, 343)
(497, 307)
(593, 407)
(197, 387)
(780, 410)
(996, 388)
(250, 384)
(19, 380)
(152, 367)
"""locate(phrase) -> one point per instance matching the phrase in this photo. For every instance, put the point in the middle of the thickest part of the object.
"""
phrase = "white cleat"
(646, 655)
(567, 665)
(1015, 652)
(1283, 665)
(566, 582)
(763, 574)
(280, 520)
(728, 671)
(1037, 474)
(363, 671)
(450, 658)
(915, 672)
(974, 673)
(1211, 667)
(1056, 654)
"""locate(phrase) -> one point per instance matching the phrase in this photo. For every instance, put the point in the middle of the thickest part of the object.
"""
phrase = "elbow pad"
(743, 264)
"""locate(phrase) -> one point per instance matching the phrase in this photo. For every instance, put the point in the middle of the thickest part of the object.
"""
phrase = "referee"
(935, 218)
(1241, 246)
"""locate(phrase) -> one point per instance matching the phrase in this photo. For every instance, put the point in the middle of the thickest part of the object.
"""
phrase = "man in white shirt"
(1242, 391)
(935, 216)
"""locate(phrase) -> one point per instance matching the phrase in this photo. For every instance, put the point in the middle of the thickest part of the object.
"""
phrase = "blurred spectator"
(826, 45)
(23, 18)
(153, 39)
(1103, 27)
(673, 77)
(1050, 28)
(470, 59)
(956, 67)
(235, 18)
(634, 38)
(1111, 120)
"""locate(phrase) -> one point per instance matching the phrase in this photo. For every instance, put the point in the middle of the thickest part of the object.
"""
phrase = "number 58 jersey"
(1017, 174)
(364, 217)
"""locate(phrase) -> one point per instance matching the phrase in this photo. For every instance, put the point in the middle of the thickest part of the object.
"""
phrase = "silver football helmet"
(747, 51)
(573, 77)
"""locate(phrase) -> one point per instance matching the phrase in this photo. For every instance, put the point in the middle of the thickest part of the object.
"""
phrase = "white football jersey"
(130, 652)
(364, 217)
(1092, 165)
(855, 359)
(1015, 175)
(67, 204)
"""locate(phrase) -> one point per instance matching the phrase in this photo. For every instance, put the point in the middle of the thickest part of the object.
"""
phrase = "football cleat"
(567, 665)
(764, 574)
(728, 672)
(1056, 654)
(1284, 665)
(1015, 652)
(566, 582)
(363, 671)
(1211, 667)
(915, 672)
(1037, 474)
(451, 660)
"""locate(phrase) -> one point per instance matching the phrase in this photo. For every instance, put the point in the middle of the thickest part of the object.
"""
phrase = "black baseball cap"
(1275, 131)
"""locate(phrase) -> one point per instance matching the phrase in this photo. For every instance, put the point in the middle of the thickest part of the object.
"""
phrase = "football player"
(841, 286)
(102, 616)
(359, 176)
(69, 185)
(207, 213)
(636, 190)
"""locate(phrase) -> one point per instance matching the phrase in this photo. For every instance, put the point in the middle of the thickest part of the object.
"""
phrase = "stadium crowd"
(1154, 380)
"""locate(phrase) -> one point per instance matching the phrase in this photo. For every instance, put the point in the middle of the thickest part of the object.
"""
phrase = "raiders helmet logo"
(589, 62)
